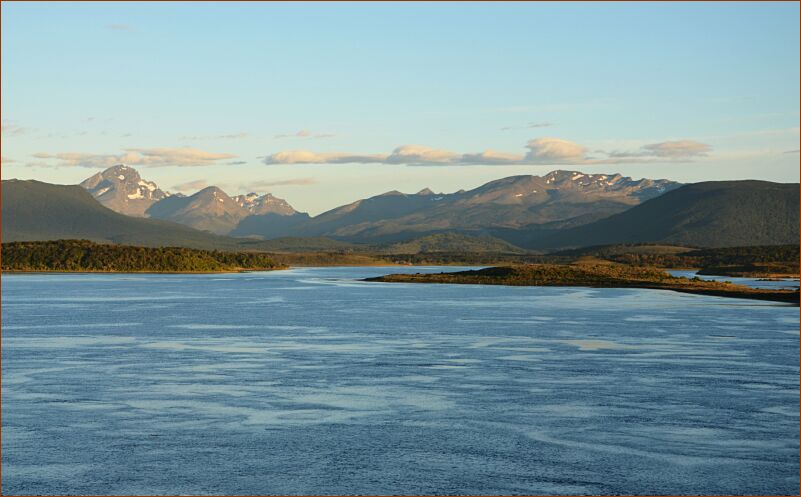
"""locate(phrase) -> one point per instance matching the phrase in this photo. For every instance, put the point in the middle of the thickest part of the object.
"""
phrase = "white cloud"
(678, 149)
(674, 150)
(307, 157)
(492, 157)
(419, 154)
(185, 156)
(541, 151)
(555, 151)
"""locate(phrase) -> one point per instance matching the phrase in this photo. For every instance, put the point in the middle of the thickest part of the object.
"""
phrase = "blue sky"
(325, 103)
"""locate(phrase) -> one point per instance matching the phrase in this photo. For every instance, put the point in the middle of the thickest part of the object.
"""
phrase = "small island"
(594, 275)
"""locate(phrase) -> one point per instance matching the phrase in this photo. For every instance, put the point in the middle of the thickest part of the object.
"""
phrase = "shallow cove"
(308, 381)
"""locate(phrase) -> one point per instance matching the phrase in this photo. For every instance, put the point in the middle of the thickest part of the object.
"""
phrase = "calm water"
(309, 382)
(787, 283)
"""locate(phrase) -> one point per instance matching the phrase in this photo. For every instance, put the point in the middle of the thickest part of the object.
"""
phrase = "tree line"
(84, 255)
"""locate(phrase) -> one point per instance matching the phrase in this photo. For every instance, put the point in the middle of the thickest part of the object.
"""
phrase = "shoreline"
(767, 295)
(240, 270)
(222, 271)
(56, 271)
(592, 277)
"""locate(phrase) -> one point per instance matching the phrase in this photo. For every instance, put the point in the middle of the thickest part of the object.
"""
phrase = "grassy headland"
(593, 275)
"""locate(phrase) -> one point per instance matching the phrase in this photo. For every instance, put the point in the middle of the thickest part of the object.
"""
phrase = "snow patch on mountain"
(120, 188)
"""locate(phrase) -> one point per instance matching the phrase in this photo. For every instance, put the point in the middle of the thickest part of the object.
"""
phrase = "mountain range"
(514, 202)
(561, 209)
(121, 188)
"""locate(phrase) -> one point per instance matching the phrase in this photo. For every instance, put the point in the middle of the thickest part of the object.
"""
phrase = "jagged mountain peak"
(568, 182)
(122, 189)
(213, 191)
(267, 203)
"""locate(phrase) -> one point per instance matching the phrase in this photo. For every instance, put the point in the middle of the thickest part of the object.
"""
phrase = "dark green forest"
(722, 261)
(83, 255)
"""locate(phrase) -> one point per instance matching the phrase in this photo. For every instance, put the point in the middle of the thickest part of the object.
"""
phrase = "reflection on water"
(241, 384)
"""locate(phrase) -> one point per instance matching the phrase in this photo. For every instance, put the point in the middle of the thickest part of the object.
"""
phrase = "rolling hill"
(707, 214)
(32, 210)
(452, 243)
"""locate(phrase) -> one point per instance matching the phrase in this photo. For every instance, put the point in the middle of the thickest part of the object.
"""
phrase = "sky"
(325, 103)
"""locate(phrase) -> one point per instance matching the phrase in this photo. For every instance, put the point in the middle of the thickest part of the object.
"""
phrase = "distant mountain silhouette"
(488, 218)
(511, 202)
(708, 214)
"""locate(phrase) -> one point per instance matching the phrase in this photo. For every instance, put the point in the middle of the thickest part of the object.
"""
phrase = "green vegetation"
(606, 251)
(314, 259)
(754, 261)
(593, 275)
(83, 255)
(450, 242)
(301, 244)
(769, 270)
(732, 261)
(751, 254)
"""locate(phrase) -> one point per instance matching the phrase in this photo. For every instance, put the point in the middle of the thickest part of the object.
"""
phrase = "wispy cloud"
(541, 151)
(232, 136)
(283, 182)
(792, 151)
(528, 126)
(137, 157)
(6, 160)
(191, 186)
(9, 128)
(681, 149)
(120, 27)
(305, 133)
(308, 157)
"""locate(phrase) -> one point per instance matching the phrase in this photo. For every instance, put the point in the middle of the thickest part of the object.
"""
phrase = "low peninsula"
(596, 276)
